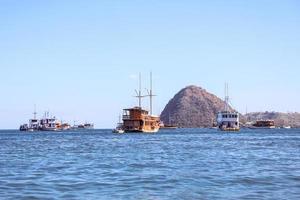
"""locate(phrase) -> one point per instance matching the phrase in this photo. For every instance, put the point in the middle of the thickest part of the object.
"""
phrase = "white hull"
(118, 131)
(49, 129)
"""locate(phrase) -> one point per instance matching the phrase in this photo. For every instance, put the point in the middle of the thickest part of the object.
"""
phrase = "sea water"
(172, 164)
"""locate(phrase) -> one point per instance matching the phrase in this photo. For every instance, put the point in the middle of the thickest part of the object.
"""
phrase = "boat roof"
(228, 112)
(135, 108)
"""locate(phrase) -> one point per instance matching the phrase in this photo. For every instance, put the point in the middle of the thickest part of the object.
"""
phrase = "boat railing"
(126, 117)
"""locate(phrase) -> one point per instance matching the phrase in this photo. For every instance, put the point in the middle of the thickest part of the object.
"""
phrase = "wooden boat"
(169, 125)
(137, 119)
(263, 124)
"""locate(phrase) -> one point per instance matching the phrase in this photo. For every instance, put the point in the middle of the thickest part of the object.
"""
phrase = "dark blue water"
(180, 164)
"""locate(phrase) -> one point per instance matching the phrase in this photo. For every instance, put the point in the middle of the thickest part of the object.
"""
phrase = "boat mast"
(150, 94)
(226, 98)
(34, 113)
(139, 93)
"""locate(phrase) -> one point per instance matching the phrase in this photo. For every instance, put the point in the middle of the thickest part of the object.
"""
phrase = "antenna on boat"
(34, 113)
(226, 97)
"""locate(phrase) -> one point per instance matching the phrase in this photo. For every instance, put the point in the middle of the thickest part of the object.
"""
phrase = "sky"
(80, 59)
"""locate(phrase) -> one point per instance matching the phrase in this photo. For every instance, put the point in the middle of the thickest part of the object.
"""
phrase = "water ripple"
(177, 164)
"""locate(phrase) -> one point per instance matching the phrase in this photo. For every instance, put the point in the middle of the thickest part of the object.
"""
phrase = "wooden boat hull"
(230, 129)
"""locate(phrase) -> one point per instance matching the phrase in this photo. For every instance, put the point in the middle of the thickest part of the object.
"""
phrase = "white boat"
(48, 123)
(88, 126)
(119, 128)
(33, 125)
(228, 120)
(118, 131)
(24, 127)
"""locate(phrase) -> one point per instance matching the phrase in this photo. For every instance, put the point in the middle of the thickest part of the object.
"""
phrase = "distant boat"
(48, 123)
(87, 126)
(63, 126)
(263, 124)
(170, 125)
(24, 127)
(167, 126)
(33, 125)
(119, 128)
(137, 119)
(228, 120)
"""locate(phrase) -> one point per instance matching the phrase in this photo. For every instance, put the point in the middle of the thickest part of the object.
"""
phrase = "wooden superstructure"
(138, 120)
(268, 124)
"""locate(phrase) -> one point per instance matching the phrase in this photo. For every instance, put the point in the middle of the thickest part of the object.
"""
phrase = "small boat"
(63, 126)
(287, 127)
(169, 125)
(33, 124)
(263, 124)
(85, 126)
(88, 126)
(228, 120)
(119, 128)
(24, 127)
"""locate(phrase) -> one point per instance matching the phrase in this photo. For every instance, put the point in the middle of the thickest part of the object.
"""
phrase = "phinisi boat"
(228, 120)
(137, 119)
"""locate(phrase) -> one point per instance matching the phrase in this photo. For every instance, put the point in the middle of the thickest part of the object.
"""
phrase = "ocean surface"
(172, 164)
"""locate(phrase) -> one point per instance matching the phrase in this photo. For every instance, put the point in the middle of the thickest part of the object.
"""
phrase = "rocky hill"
(195, 107)
(192, 107)
(281, 119)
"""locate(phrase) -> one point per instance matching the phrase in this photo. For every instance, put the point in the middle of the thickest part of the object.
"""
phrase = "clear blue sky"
(78, 59)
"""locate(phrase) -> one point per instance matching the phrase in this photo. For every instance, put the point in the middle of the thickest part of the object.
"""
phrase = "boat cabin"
(228, 119)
